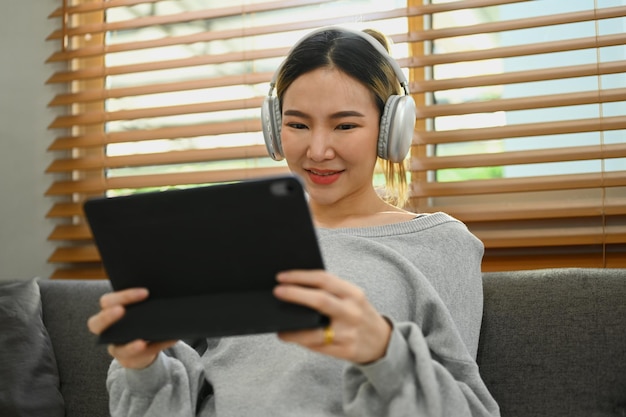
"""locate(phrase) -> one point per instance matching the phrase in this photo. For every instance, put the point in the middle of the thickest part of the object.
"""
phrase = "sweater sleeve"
(413, 379)
(424, 276)
(169, 386)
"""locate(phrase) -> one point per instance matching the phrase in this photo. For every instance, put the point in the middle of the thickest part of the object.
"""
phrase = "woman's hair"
(356, 57)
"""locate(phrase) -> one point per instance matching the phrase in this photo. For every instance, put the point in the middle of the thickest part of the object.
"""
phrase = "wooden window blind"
(167, 93)
(523, 132)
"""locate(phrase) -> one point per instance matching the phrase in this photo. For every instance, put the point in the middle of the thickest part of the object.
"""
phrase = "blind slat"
(535, 210)
(71, 233)
(412, 10)
(177, 157)
(492, 263)
(101, 139)
(515, 131)
(579, 153)
(182, 17)
(95, 6)
(63, 210)
(514, 185)
(543, 74)
(552, 236)
(524, 103)
(516, 51)
(93, 186)
(83, 119)
(88, 253)
(79, 273)
(95, 95)
(517, 24)
(102, 72)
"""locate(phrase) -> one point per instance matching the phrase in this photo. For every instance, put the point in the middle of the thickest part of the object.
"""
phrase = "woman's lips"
(323, 176)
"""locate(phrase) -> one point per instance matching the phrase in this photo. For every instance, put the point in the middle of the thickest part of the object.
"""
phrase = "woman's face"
(329, 135)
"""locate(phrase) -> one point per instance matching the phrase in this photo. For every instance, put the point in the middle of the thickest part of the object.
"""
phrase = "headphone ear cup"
(397, 124)
(271, 122)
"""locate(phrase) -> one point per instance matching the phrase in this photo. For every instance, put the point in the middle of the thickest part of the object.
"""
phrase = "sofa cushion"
(30, 382)
(553, 342)
(83, 364)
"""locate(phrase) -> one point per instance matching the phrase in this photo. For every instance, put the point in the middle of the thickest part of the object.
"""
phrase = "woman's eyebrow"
(338, 115)
(296, 113)
(347, 113)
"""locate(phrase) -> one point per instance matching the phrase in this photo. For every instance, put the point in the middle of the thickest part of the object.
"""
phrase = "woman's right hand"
(137, 354)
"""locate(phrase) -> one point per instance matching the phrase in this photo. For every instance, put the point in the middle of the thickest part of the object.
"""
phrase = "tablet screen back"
(212, 251)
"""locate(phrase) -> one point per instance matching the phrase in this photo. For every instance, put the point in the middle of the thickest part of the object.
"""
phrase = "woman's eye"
(296, 125)
(345, 126)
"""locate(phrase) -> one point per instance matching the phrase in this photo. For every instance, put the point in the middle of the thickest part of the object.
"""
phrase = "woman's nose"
(320, 147)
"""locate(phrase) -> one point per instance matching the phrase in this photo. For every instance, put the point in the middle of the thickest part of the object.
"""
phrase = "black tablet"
(209, 257)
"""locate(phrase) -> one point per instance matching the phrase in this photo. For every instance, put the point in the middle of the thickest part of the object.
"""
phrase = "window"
(168, 94)
(524, 136)
(520, 112)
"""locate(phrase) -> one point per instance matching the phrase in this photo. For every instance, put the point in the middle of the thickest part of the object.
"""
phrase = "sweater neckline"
(419, 223)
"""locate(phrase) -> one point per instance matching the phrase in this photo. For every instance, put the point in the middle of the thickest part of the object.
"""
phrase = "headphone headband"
(377, 45)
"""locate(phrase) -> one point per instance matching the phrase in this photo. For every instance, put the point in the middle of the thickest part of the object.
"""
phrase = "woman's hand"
(137, 354)
(357, 332)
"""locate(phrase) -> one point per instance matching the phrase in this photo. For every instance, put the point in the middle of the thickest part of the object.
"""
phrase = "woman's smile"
(323, 176)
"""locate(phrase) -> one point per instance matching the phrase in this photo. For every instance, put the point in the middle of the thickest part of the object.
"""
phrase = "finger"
(139, 353)
(311, 338)
(139, 348)
(163, 345)
(342, 342)
(128, 296)
(317, 341)
(128, 350)
(335, 298)
(318, 279)
(105, 318)
(132, 355)
(317, 299)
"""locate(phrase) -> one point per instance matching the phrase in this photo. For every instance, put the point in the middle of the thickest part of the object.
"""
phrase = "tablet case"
(209, 257)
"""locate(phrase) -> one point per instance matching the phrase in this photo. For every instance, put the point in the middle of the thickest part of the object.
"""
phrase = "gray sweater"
(424, 275)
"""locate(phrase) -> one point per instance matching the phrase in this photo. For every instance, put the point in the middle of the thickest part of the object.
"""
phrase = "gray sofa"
(553, 342)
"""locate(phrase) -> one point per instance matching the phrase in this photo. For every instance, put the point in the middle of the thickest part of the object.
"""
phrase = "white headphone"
(396, 123)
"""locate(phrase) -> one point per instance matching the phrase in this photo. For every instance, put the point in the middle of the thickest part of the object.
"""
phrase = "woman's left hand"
(357, 331)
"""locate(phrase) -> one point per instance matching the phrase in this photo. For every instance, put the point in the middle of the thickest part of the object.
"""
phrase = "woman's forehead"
(329, 80)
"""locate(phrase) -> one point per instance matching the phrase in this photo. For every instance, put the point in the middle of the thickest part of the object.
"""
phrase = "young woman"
(402, 291)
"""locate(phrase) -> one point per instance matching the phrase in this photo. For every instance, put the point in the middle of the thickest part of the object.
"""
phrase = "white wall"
(24, 117)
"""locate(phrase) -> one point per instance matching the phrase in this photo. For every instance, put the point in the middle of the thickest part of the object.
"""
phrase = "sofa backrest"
(553, 342)
(83, 365)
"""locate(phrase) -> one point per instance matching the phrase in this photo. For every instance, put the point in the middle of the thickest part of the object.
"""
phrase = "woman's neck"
(369, 211)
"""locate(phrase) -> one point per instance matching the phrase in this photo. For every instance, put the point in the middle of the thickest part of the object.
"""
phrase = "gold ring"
(329, 335)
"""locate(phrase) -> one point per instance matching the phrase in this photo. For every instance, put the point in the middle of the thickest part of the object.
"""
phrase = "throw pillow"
(29, 381)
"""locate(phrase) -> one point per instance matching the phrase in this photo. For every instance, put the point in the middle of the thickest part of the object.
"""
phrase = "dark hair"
(357, 57)
(346, 51)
